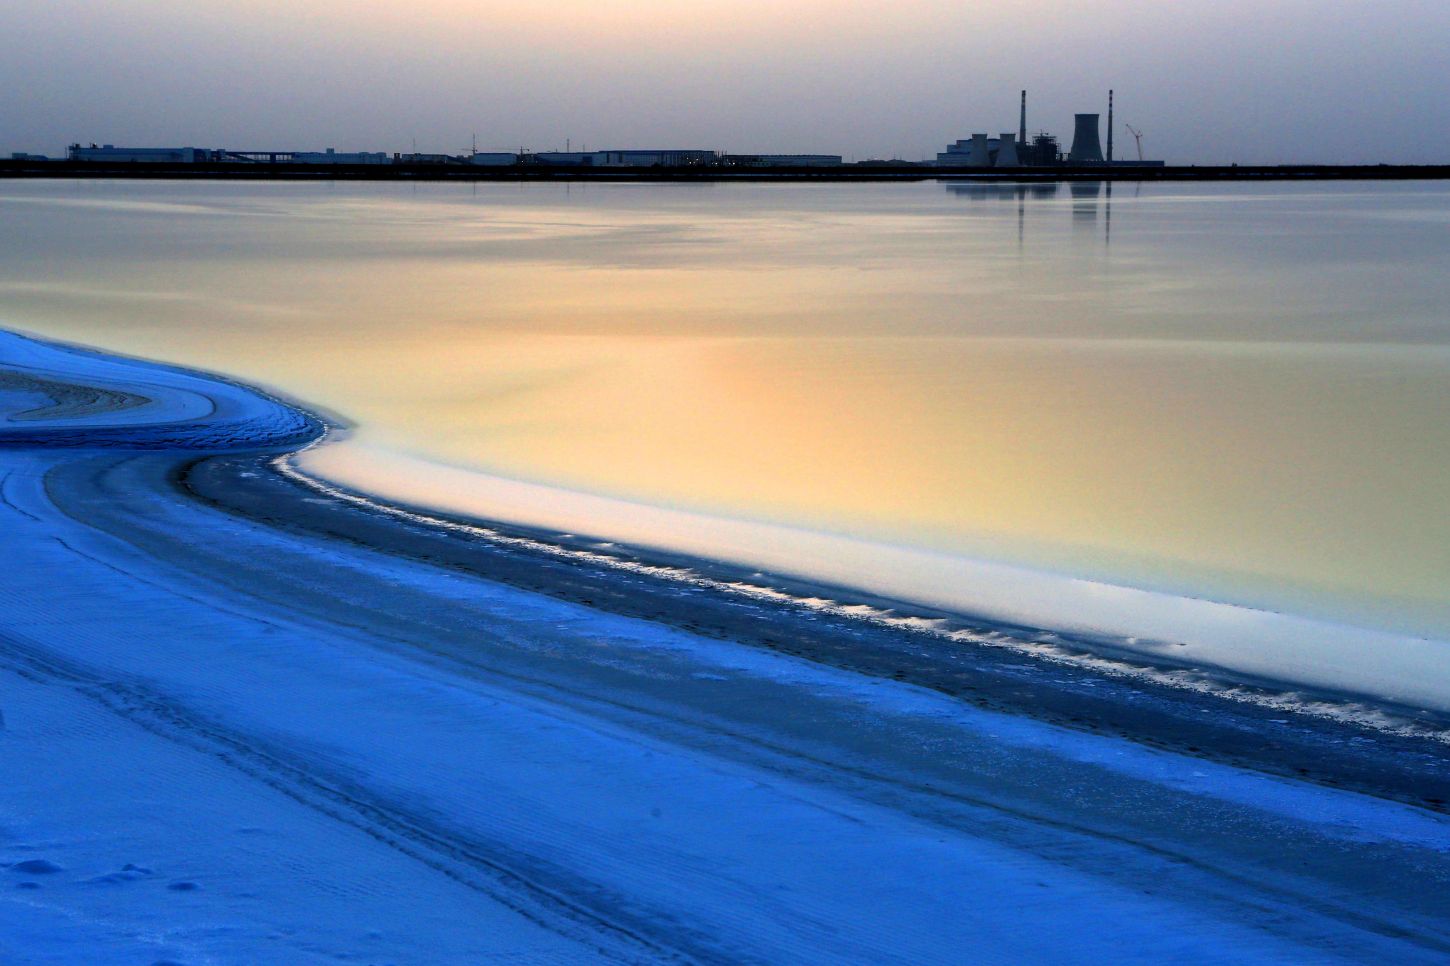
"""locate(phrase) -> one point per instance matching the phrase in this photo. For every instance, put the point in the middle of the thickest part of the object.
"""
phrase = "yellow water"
(1231, 392)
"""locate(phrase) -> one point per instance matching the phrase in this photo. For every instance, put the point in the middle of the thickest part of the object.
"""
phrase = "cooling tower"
(979, 157)
(1007, 150)
(1086, 148)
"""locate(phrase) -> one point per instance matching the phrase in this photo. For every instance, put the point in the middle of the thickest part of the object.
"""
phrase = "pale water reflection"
(1235, 391)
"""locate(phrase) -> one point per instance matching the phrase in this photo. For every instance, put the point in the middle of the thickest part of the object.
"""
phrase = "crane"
(1137, 136)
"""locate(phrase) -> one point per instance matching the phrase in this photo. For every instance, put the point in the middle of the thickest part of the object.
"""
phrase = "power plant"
(1015, 150)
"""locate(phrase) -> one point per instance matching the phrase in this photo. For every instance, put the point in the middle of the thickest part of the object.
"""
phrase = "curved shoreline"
(1228, 649)
(1083, 680)
(634, 766)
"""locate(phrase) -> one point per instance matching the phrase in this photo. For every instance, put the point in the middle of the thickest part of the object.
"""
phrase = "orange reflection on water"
(1215, 403)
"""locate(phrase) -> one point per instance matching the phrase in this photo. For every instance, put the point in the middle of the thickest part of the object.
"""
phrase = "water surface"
(1233, 392)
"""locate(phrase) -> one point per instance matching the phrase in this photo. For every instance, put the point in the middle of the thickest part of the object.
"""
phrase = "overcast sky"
(1205, 80)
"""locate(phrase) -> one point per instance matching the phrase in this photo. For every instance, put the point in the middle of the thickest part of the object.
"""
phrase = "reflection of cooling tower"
(1085, 144)
(1007, 150)
(978, 156)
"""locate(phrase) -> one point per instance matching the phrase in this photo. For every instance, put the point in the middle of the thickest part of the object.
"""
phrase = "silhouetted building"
(493, 159)
(109, 152)
(334, 157)
(416, 158)
(1006, 156)
(975, 152)
(1086, 147)
(1043, 150)
(653, 158)
(782, 160)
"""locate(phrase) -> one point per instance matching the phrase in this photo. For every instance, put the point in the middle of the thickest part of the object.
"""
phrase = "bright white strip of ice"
(1292, 650)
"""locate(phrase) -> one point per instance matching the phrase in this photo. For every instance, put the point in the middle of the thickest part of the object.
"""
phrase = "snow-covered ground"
(234, 743)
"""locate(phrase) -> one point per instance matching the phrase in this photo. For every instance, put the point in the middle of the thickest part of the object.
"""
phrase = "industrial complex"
(1011, 149)
(1008, 150)
(1009, 156)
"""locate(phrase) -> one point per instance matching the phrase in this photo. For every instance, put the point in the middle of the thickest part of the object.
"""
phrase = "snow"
(240, 744)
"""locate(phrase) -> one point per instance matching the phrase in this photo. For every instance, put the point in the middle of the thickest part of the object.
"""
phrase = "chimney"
(1110, 127)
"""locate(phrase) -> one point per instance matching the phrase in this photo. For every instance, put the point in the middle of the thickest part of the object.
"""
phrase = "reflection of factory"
(1013, 150)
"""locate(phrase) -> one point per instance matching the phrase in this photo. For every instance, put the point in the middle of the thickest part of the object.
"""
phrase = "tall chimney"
(1022, 123)
(1110, 127)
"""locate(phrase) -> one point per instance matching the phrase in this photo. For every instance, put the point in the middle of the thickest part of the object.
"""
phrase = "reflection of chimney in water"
(1108, 213)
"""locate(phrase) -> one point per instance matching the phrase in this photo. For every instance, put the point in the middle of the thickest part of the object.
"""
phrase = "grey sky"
(1206, 81)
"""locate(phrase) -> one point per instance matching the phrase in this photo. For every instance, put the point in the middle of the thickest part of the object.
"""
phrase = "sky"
(1206, 81)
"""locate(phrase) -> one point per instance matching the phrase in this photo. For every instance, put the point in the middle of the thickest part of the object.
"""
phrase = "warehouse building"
(334, 157)
(109, 152)
(782, 160)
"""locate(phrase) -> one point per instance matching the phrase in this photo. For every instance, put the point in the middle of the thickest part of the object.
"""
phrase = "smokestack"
(1022, 123)
(1110, 127)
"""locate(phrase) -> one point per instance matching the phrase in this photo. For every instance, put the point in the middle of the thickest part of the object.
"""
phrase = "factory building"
(632, 158)
(333, 157)
(973, 152)
(654, 158)
(782, 160)
(563, 158)
(109, 152)
(1043, 150)
(416, 158)
(493, 159)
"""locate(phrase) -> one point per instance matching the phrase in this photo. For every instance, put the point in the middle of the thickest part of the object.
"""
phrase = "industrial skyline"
(1008, 150)
(1212, 82)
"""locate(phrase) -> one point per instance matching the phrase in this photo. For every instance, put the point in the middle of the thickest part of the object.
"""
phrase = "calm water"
(1234, 392)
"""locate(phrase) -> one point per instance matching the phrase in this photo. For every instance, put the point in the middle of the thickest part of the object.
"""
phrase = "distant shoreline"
(464, 172)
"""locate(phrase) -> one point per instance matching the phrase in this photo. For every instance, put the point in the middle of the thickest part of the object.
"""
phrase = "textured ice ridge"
(63, 396)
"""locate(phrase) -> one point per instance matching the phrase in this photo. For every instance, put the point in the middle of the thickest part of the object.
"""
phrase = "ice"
(230, 742)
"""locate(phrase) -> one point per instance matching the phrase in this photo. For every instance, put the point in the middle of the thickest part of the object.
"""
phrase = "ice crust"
(411, 765)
